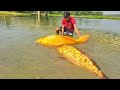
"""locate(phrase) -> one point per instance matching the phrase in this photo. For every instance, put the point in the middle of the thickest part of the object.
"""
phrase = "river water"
(22, 58)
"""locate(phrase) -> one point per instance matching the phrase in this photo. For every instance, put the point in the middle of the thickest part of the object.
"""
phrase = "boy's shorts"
(66, 31)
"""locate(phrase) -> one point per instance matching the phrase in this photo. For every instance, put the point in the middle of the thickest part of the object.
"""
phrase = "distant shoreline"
(114, 17)
(6, 13)
(90, 16)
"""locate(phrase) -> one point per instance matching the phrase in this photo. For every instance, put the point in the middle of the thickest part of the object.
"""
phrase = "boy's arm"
(63, 22)
(62, 29)
(75, 27)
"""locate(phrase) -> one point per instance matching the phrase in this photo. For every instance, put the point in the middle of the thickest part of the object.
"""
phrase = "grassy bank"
(89, 16)
(6, 13)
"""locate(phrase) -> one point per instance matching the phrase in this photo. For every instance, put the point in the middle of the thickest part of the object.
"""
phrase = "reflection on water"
(89, 22)
(43, 20)
(21, 57)
(100, 25)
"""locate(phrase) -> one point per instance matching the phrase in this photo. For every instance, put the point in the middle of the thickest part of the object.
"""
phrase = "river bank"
(6, 13)
(89, 16)
(13, 13)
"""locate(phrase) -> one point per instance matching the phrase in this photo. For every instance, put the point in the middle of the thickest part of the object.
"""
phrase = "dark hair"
(66, 14)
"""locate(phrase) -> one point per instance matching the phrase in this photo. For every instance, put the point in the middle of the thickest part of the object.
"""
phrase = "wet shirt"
(69, 24)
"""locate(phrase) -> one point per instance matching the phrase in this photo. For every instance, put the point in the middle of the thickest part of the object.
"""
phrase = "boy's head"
(67, 15)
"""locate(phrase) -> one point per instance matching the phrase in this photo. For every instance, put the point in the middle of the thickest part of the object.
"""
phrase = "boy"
(68, 25)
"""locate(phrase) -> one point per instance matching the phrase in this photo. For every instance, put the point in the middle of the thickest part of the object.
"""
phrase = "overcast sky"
(111, 12)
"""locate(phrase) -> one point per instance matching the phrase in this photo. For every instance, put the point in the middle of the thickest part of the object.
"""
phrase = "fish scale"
(57, 40)
(74, 55)
(79, 58)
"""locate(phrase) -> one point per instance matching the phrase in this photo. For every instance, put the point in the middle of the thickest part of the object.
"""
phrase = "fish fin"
(83, 38)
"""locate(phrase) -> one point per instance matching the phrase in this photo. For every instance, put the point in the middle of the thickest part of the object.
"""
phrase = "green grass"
(7, 13)
(89, 16)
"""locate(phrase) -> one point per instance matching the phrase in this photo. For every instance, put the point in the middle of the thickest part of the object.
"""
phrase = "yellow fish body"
(62, 43)
(57, 40)
(79, 58)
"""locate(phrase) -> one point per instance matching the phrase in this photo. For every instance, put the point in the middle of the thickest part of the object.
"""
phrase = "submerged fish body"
(57, 40)
(81, 59)
(62, 44)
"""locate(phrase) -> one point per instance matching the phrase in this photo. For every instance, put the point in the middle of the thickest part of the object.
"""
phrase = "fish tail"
(81, 59)
(101, 75)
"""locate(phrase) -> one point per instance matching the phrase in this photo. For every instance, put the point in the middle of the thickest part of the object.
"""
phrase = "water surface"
(21, 57)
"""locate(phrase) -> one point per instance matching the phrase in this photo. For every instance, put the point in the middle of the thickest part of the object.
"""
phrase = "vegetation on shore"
(77, 14)
(89, 16)
(12, 13)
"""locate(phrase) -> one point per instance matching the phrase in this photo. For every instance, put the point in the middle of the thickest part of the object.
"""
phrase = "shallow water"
(21, 57)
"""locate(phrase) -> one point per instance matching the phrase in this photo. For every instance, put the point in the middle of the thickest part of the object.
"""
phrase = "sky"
(111, 12)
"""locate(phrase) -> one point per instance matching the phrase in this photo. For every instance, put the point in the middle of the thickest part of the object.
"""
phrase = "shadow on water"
(20, 57)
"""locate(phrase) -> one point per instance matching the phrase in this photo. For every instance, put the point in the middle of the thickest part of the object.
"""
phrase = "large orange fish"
(81, 59)
(58, 40)
(72, 54)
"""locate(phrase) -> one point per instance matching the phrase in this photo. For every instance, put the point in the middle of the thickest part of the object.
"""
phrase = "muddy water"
(21, 57)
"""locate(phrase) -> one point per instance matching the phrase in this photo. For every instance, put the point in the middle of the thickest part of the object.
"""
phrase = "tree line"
(78, 12)
(98, 13)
